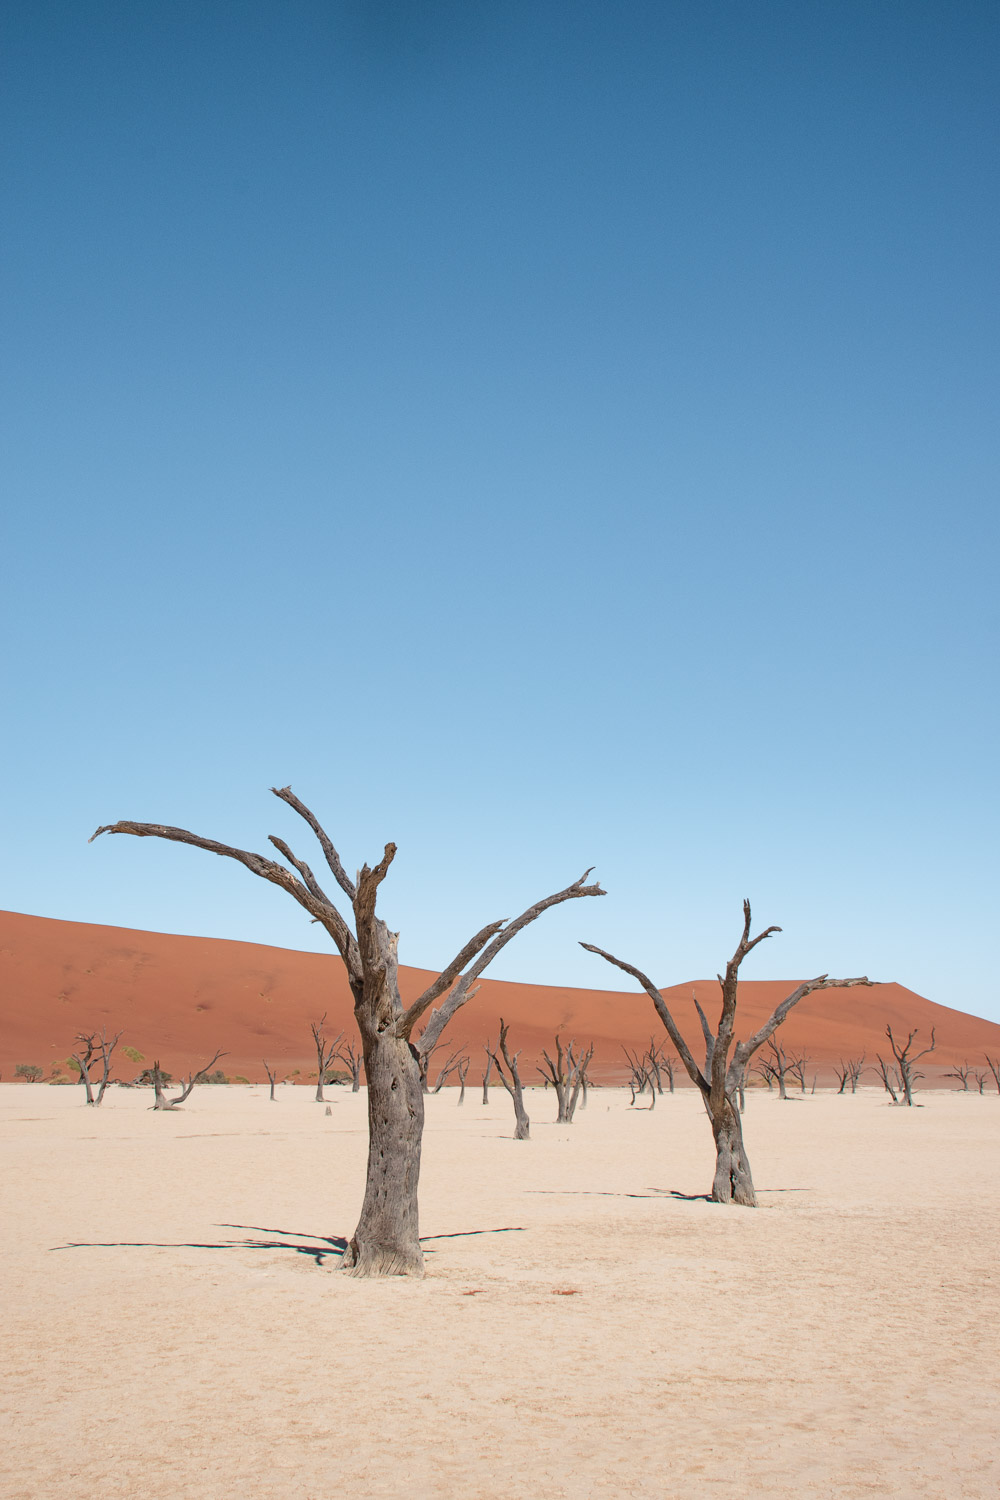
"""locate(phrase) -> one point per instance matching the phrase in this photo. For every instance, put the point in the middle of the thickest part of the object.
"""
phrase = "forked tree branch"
(495, 936)
(266, 869)
(325, 842)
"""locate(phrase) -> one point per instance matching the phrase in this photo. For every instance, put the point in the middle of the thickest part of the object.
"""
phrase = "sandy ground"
(174, 1321)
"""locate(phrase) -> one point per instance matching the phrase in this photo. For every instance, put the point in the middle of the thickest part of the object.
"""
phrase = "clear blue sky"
(543, 434)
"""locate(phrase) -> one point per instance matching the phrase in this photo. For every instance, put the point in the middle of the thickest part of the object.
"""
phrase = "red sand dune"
(179, 998)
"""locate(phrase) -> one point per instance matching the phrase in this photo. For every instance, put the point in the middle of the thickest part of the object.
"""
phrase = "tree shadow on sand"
(315, 1247)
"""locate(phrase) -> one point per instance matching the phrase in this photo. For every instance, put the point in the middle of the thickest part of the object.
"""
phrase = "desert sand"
(179, 998)
(589, 1325)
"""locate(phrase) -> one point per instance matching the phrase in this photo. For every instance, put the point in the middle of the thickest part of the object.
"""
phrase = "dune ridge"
(178, 998)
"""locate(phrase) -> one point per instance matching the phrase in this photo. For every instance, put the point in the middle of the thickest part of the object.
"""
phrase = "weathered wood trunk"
(733, 1182)
(387, 1239)
(522, 1124)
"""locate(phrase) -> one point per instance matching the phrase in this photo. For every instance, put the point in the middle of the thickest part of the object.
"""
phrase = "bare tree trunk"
(387, 1239)
(271, 1078)
(994, 1066)
(486, 1074)
(463, 1068)
(733, 1182)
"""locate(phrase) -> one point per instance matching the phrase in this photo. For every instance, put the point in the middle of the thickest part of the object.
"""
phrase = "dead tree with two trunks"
(511, 1080)
(726, 1064)
(95, 1051)
(386, 1241)
(171, 1101)
(568, 1076)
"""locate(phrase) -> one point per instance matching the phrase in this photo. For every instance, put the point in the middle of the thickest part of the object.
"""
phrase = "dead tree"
(733, 1182)
(849, 1072)
(522, 1125)
(856, 1066)
(96, 1050)
(566, 1077)
(797, 1067)
(980, 1078)
(961, 1072)
(463, 1068)
(906, 1061)
(386, 1240)
(350, 1055)
(171, 1101)
(779, 1065)
(452, 1065)
(486, 1072)
(325, 1053)
(994, 1066)
(764, 1070)
(639, 1074)
(889, 1077)
(271, 1077)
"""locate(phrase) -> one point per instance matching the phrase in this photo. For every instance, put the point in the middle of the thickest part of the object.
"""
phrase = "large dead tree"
(162, 1100)
(720, 1081)
(386, 1240)
(95, 1051)
(511, 1080)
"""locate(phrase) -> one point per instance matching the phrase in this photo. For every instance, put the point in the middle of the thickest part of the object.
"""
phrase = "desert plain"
(589, 1324)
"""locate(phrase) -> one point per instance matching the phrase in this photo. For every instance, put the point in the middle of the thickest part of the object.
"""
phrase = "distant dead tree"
(350, 1055)
(386, 1241)
(171, 1101)
(272, 1076)
(980, 1078)
(511, 1080)
(567, 1076)
(486, 1072)
(641, 1076)
(763, 1069)
(325, 1053)
(797, 1067)
(733, 1182)
(994, 1066)
(889, 1077)
(778, 1064)
(95, 1051)
(451, 1065)
(906, 1061)
(962, 1072)
(849, 1072)
(663, 1063)
(463, 1068)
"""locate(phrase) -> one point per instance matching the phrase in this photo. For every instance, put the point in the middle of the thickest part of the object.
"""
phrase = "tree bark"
(387, 1239)
(733, 1182)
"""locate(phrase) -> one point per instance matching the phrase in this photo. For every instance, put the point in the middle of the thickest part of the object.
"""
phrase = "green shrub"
(30, 1072)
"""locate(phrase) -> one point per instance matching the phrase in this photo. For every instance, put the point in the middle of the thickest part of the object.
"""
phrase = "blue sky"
(545, 435)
